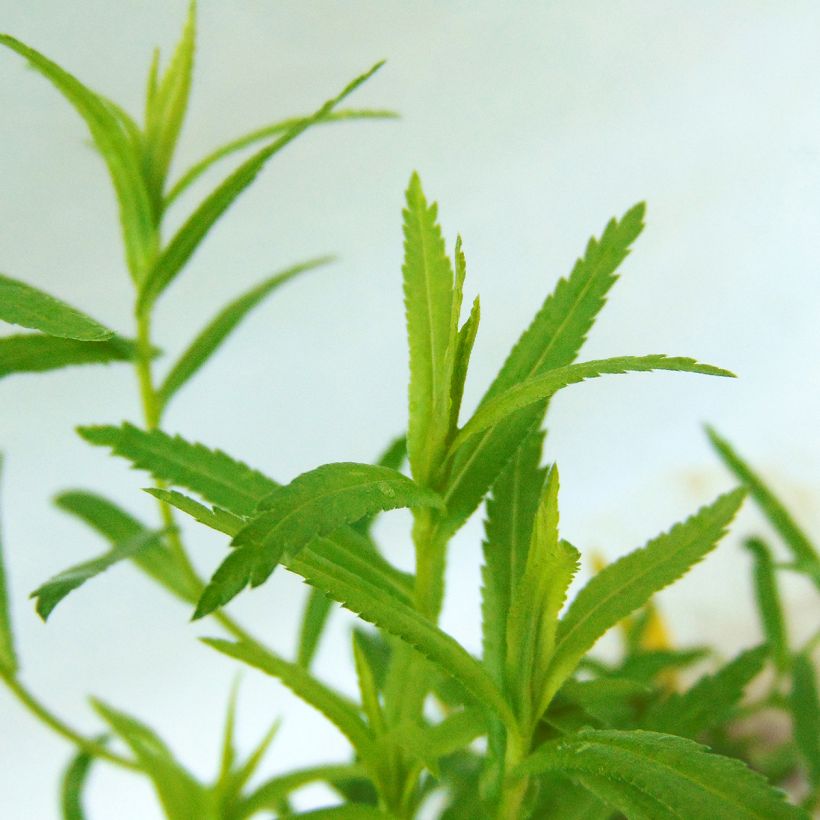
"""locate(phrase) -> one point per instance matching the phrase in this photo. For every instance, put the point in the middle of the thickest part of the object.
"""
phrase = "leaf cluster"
(536, 726)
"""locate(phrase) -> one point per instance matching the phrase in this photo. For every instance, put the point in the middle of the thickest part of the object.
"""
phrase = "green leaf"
(464, 348)
(36, 353)
(116, 526)
(165, 109)
(317, 610)
(428, 301)
(393, 456)
(73, 785)
(349, 811)
(552, 340)
(768, 603)
(24, 305)
(273, 791)
(207, 342)
(182, 246)
(710, 702)
(631, 581)
(537, 596)
(368, 690)
(179, 792)
(53, 591)
(508, 531)
(283, 126)
(114, 144)
(337, 709)
(346, 547)
(315, 503)
(677, 774)
(383, 609)
(543, 387)
(8, 657)
(212, 474)
(805, 709)
(805, 553)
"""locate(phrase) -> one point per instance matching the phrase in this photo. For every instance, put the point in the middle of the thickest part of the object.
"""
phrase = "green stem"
(152, 413)
(63, 729)
(513, 791)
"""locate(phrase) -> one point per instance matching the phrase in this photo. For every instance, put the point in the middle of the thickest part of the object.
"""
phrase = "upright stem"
(152, 413)
(513, 792)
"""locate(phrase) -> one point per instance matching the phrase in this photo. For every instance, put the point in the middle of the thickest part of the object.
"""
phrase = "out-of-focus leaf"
(22, 304)
(37, 352)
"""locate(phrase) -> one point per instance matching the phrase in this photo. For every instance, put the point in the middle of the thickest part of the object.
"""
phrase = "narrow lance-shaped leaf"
(181, 247)
(368, 690)
(710, 702)
(543, 387)
(179, 792)
(385, 610)
(217, 477)
(220, 327)
(114, 144)
(37, 353)
(552, 340)
(165, 109)
(196, 171)
(393, 456)
(22, 304)
(805, 553)
(464, 348)
(805, 709)
(675, 774)
(508, 531)
(333, 706)
(768, 603)
(8, 657)
(428, 301)
(50, 594)
(630, 582)
(317, 610)
(344, 547)
(117, 526)
(73, 785)
(314, 503)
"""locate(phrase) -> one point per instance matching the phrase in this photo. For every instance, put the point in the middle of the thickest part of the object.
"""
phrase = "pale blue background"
(532, 123)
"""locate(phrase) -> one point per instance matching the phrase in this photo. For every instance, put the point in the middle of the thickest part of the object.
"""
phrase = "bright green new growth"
(567, 735)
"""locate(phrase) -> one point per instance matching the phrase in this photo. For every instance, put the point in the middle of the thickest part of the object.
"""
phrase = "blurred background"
(532, 124)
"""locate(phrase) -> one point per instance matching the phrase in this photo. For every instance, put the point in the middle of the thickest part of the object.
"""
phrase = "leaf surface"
(315, 503)
(53, 591)
(428, 300)
(552, 340)
(187, 239)
(337, 709)
(74, 782)
(8, 656)
(769, 605)
(630, 582)
(165, 109)
(280, 127)
(114, 144)
(117, 526)
(180, 794)
(217, 477)
(710, 702)
(385, 610)
(37, 353)
(212, 336)
(22, 304)
(805, 708)
(805, 553)
(677, 774)
(543, 387)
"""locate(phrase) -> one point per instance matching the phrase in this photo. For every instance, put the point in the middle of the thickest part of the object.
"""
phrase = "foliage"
(535, 727)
